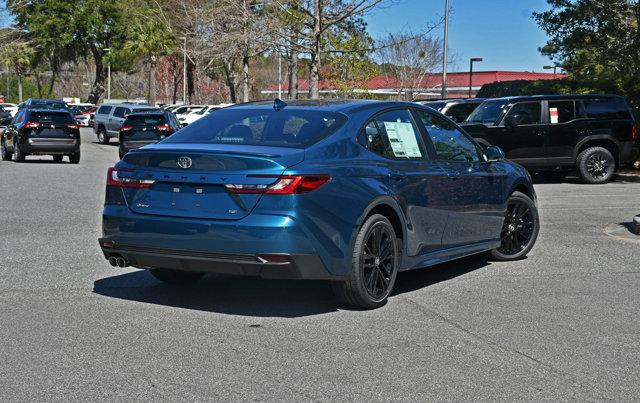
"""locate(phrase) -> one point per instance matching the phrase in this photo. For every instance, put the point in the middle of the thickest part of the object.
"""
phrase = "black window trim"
(425, 148)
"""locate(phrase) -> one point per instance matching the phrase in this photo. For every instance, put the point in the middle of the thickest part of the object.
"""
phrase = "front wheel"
(374, 266)
(176, 276)
(519, 229)
(596, 165)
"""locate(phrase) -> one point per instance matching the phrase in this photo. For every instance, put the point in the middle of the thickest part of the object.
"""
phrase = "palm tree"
(151, 39)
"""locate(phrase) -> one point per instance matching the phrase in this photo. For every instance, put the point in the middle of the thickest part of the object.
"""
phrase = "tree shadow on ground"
(251, 296)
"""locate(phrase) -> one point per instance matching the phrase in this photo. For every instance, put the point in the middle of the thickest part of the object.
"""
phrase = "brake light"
(165, 128)
(285, 184)
(114, 179)
(72, 125)
(126, 128)
(31, 125)
(634, 134)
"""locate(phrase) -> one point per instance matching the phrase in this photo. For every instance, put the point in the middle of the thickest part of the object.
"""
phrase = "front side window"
(449, 142)
(393, 135)
(264, 127)
(488, 112)
(459, 112)
(525, 113)
(561, 111)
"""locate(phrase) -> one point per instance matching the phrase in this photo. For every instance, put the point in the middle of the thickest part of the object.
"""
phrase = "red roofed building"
(429, 86)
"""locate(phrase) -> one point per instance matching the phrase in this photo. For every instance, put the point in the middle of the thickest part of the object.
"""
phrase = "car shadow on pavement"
(252, 296)
(111, 143)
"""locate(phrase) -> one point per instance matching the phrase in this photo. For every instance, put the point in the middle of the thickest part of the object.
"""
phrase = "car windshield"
(488, 112)
(297, 128)
(51, 117)
(435, 105)
(145, 120)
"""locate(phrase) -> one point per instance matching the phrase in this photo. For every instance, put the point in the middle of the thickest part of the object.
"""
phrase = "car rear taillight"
(126, 128)
(634, 133)
(115, 179)
(285, 184)
(72, 125)
(31, 125)
(165, 128)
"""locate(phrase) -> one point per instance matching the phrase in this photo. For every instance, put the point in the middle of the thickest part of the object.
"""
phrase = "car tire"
(596, 165)
(75, 157)
(57, 158)
(170, 276)
(519, 230)
(374, 266)
(4, 153)
(18, 155)
(103, 137)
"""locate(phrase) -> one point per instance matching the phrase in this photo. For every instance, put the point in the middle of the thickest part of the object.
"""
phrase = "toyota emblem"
(185, 162)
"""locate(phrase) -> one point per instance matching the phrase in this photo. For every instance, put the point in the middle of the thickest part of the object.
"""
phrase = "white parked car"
(11, 108)
(186, 109)
(197, 114)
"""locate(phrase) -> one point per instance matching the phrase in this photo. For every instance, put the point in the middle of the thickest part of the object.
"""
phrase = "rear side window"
(605, 108)
(393, 135)
(51, 117)
(561, 111)
(104, 110)
(120, 112)
(144, 120)
(296, 128)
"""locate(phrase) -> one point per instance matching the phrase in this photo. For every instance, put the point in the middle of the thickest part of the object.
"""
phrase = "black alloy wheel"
(519, 229)
(596, 165)
(375, 261)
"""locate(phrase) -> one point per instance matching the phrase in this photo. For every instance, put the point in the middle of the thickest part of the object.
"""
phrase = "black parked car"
(556, 134)
(38, 103)
(41, 132)
(455, 109)
(142, 128)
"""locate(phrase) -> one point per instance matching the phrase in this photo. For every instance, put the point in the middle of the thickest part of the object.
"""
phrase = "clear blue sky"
(502, 32)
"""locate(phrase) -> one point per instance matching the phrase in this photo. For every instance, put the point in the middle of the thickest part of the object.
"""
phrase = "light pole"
(471, 61)
(554, 67)
(109, 74)
(184, 70)
(446, 47)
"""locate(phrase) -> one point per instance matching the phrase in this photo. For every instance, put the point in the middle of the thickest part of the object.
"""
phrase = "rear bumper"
(50, 146)
(292, 266)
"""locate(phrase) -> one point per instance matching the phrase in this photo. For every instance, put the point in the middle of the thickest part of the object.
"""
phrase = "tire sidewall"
(358, 272)
(582, 165)
(536, 230)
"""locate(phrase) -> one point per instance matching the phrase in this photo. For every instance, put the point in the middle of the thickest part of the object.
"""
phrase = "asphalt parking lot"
(562, 324)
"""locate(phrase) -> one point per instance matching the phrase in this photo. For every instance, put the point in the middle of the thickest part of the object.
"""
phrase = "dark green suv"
(591, 134)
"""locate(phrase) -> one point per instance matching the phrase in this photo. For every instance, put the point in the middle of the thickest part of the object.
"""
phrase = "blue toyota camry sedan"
(347, 191)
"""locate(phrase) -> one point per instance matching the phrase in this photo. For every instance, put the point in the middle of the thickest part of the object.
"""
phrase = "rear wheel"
(103, 138)
(18, 156)
(596, 165)
(519, 230)
(74, 158)
(57, 158)
(375, 260)
(6, 155)
(176, 276)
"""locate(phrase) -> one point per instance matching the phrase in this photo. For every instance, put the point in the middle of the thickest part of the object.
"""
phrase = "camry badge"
(184, 162)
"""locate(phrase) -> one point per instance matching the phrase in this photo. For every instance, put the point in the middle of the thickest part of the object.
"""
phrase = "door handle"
(453, 175)
(398, 176)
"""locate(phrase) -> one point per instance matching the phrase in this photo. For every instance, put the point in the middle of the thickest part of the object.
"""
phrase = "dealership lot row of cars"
(260, 187)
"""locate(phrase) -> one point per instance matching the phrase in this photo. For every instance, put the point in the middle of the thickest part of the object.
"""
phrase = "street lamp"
(554, 67)
(184, 70)
(109, 74)
(471, 61)
(444, 51)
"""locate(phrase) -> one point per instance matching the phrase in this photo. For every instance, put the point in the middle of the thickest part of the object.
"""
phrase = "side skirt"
(445, 255)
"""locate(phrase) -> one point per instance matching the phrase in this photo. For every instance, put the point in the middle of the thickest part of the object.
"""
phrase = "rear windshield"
(145, 120)
(48, 105)
(51, 117)
(488, 112)
(263, 127)
(435, 105)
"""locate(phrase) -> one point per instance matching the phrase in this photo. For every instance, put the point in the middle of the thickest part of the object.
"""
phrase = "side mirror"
(494, 153)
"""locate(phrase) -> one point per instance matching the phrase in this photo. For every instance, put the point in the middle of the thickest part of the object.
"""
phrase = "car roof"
(554, 97)
(329, 105)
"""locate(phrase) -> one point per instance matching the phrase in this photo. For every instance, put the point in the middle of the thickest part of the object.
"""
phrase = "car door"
(12, 129)
(522, 132)
(475, 189)
(413, 179)
(563, 128)
(116, 119)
